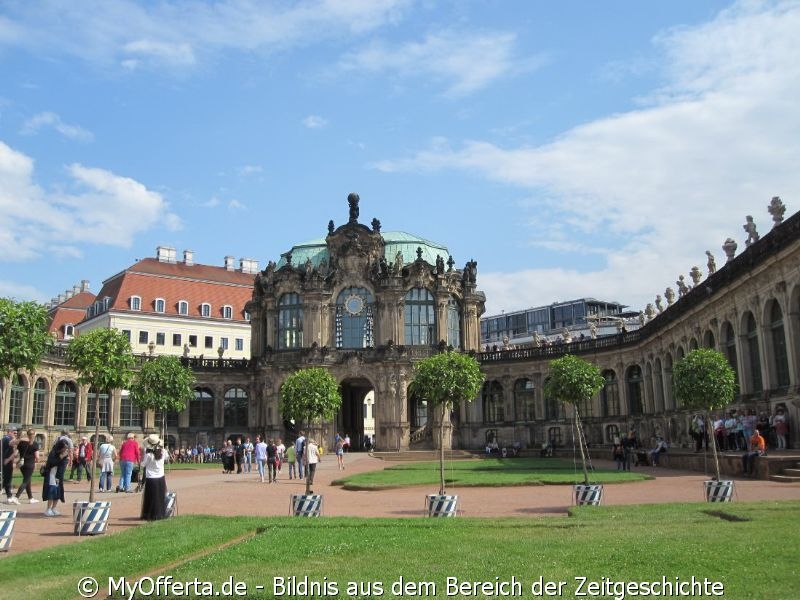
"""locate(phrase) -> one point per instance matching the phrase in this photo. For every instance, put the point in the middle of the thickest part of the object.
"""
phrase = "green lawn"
(751, 549)
(491, 472)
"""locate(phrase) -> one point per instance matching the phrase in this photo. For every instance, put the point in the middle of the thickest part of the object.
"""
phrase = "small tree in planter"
(573, 380)
(104, 361)
(704, 381)
(309, 394)
(445, 380)
(163, 385)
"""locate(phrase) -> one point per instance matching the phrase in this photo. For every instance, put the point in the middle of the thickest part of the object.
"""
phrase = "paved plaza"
(208, 491)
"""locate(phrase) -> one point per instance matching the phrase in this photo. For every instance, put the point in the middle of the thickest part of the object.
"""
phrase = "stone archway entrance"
(353, 419)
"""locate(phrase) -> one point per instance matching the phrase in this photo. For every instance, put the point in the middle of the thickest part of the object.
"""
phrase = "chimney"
(229, 263)
(61, 298)
(248, 265)
(68, 294)
(84, 285)
(165, 254)
(188, 257)
(76, 289)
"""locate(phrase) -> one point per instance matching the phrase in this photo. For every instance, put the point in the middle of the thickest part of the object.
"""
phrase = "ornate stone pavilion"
(366, 304)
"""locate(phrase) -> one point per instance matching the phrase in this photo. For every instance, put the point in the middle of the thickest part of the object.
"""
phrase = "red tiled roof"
(196, 284)
(70, 311)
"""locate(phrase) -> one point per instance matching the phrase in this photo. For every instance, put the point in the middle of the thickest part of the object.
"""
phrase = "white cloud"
(464, 62)
(250, 170)
(314, 122)
(50, 119)
(103, 209)
(665, 182)
(236, 205)
(171, 34)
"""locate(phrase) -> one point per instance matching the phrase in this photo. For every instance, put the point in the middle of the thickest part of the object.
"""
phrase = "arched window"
(290, 322)
(39, 402)
(779, 358)
(553, 409)
(418, 411)
(633, 379)
(612, 434)
(183, 307)
(751, 334)
(708, 340)
(227, 312)
(160, 305)
(136, 303)
(201, 408)
(129, 414)
(453, 323)
(91, 408)
(235, 407)
(524, 400)
(492, 397)
(65, 405)
(420, 318)
(609, 394)
(729, 348)
(18, 392)
(355, 322)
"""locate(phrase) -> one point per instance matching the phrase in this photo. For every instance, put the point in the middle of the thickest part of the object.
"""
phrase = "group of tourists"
(19, 449)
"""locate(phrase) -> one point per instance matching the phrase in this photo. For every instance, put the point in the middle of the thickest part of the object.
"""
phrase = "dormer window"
(136, 303)
(183, 307)
(69, 331)
(106, 303)
(247, 316)
(160, 305)
(205, 309)
(227, 312)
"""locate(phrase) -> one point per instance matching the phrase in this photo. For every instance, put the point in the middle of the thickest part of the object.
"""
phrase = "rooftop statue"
(696, 275)
(669, 294)
(376, 226)
(353, 199)
(776, 208)
(330, 227)
(729, 247)
(683, 289)
(398, 263)
(712, 264)
(659, 305)
(592, 330)
(649, 311)
(750, 228)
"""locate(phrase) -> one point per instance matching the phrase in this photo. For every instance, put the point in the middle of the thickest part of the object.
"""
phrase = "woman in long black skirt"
(155, 487)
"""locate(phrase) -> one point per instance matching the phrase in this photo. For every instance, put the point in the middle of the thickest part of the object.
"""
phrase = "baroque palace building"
(366, 304)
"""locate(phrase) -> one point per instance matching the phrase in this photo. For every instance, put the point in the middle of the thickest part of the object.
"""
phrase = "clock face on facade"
(354, 304)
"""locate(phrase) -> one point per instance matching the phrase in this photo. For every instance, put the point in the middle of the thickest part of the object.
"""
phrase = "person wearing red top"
(130, 453)
(83, 456)
(758, 447)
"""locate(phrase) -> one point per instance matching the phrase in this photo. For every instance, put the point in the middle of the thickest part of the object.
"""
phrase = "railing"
(422, 434)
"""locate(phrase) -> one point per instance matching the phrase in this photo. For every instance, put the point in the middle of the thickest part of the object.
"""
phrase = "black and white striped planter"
(442, 505)
(306, 505)
(588, 494)
(90, 518)
(8, 518)
(171, 505)
(718, 491)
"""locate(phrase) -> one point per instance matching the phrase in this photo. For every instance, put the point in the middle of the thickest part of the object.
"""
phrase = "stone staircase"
(788, 474)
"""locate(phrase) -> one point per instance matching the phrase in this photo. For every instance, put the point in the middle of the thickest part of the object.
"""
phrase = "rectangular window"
(144, 337)
(129, 414)
(176, 339)
(239, 344)
(193, 341)
(161, 338)
(209, 342)
(224, 343)
(127, 334)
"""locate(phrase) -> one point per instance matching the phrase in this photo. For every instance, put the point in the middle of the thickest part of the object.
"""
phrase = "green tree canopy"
(704, 380)
(23, 335)
(103, 360)
(445, 380)
(572, 380)
(310, 394)
(163, 384)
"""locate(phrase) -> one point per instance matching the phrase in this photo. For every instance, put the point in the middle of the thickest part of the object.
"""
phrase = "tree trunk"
(305, 456)
(713, 438)
(441, 451)
(95, 447)
(580, 445)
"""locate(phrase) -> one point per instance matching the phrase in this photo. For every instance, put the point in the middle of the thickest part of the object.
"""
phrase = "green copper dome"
(395, 241)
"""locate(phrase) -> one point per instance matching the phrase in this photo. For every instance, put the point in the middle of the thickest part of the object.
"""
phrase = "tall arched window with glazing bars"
(39, 402)
(290, 322)
(524, 400)
(780, 360)
(453, 323)
(355, 320)
(493, 411)
(420, 318)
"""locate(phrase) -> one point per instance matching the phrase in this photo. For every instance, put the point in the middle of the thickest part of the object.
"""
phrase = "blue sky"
(571, 148)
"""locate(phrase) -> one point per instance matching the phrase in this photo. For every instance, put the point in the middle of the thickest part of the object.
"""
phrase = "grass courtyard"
(748, 550)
